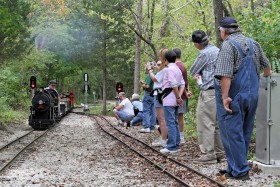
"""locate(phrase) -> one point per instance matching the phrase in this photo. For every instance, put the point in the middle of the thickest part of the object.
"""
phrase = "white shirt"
(127, 107)
(159, 78)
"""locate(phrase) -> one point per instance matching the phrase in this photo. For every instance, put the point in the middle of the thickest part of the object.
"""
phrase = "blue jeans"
(123, 116)
(149, 112)
(138, 118)
(236, 128)
(173, 132)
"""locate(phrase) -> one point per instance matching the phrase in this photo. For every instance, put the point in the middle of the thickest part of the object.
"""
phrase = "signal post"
(119, 88)
(32, 85)
(86, 91)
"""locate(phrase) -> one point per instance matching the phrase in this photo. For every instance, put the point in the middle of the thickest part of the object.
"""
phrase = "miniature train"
(47, 108)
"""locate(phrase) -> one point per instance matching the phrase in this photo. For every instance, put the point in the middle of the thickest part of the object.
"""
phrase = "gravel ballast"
(77, 153)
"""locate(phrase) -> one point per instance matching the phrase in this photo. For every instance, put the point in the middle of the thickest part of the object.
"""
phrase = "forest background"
(111, 40)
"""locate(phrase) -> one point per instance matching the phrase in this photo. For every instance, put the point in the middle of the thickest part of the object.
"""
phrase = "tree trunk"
(164, 30)
(206, 25)
(218, 14)
(104, 72)
(252, 6)
(138, 48)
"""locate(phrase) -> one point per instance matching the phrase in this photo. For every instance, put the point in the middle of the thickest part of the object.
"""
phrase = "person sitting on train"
(124, 109)
(52, 91)
(138, 109)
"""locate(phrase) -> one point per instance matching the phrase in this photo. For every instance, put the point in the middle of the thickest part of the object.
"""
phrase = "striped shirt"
(204, 65)
(229, 59)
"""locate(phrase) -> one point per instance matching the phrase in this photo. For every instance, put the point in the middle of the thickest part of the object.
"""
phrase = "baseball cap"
(199, 36)
(52, 82)
(228, 22)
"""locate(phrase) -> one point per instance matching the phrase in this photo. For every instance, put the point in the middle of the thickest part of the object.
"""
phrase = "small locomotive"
(47, 108)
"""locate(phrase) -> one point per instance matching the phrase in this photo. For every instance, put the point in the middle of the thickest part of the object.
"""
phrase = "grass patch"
(276, 183)
(10, 116)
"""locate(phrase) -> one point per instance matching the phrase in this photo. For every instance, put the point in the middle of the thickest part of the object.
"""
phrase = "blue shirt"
(138, 105)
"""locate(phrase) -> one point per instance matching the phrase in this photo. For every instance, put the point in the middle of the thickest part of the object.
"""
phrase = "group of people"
(228, 81)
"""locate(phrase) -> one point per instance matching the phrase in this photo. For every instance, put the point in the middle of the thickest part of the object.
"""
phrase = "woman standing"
(157, 79)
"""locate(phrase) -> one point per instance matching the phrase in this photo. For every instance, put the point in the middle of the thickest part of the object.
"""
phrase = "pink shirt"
(172, 78)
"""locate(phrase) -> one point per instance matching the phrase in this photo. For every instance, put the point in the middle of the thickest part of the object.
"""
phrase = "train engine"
(44, 111)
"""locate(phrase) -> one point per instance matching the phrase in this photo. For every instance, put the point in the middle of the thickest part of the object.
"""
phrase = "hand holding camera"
(150, 65)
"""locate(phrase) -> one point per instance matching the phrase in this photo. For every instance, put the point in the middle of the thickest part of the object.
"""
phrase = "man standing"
(173, 86)
(186, 94)
(149, 111)
(123, 110)
(203, 68)
(237, 71)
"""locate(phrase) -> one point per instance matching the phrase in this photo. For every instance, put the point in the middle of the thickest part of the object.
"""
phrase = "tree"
(138, 47)
(13, 28)
(218, 15)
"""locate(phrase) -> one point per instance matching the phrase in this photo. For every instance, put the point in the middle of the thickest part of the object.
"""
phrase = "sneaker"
(145, 130)
(156, 126)
(159, 143)
(182, 140)
(163, 143)
(120, 124)
(165, 150)
(206, 159)
(242, 178)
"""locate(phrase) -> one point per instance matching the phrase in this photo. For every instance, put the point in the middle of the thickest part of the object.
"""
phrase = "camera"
(151, 63)
(117, 98)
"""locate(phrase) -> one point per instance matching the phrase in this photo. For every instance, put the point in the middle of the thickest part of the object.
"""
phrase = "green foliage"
(74, 37)
(276, 183)
(10, 116)
(13, 28)
(12, 89)
(263, 25)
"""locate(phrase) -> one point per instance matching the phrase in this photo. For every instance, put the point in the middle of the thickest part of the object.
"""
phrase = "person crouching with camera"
(124, 110)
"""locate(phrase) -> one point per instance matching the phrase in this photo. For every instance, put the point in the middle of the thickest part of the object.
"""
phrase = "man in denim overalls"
(237, 82)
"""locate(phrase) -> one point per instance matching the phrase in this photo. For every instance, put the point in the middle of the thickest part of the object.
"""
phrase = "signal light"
(119, 87)
(32, 82)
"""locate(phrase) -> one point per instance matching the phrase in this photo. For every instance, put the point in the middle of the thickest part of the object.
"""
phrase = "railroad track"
(12, 150)
(181, 172)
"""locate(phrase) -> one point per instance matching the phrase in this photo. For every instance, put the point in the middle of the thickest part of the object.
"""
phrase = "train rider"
(51, 89)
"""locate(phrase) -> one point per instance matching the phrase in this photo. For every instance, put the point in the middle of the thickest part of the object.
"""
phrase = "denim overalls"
(236, 127)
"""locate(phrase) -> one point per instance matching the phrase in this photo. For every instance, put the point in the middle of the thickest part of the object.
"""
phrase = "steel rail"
(165, 156)
(22, 150)
(171, 159)
(17, 139)
(143, 156)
